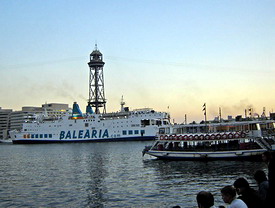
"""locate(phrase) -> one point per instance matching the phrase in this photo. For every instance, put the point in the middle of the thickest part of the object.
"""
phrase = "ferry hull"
(39, 141)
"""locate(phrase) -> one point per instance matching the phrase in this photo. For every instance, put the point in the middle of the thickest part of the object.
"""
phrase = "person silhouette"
(205, 199)
(247, 194)
(229, 197)
(261, 179)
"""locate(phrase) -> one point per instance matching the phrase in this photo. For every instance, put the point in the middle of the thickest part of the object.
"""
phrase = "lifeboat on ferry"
(207, 137)
(224, 136)
(218, 136)
(185, 137)
(201, 137)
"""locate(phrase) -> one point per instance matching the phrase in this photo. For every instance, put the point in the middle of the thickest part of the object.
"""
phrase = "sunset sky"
(170, 55)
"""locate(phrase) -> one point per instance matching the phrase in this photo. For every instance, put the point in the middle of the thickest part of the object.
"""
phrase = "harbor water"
(112, 174)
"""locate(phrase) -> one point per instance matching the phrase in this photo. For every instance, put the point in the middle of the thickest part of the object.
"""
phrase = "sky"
(170, 55)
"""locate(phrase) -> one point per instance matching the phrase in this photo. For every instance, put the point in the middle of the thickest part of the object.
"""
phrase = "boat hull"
(230, 155)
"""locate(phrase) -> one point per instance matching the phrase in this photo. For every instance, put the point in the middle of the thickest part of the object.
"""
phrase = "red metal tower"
(96, 82)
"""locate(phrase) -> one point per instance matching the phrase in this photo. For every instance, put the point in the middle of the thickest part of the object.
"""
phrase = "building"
(55, 109)
(4, 122)
(17, 118)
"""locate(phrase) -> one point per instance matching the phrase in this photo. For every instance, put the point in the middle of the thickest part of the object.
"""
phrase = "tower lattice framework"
(96, 82)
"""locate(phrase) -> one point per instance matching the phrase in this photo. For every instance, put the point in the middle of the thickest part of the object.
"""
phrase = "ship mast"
(96, 82)
(122, 103)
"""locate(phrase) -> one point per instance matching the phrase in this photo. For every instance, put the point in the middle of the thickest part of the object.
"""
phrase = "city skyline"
(171, 56)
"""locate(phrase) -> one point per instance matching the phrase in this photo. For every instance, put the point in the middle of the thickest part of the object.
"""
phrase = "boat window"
(86, 124)
(145, 122)
(41, 135)
(254, 126)
(50, 135)
(161, 130)
(158, 122)
(142, 132)
(124, 132)
(36, 136)
(45, 135)
(130, 132)
(136, 131)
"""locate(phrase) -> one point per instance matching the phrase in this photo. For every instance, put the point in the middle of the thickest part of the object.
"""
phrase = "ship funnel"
(76, 110)
(89, 109)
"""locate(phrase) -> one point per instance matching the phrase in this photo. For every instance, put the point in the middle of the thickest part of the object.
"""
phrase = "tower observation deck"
(96, 82)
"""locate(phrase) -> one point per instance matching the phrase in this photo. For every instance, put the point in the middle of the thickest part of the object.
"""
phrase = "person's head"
(241, 185)
(228, 194)
(205, 199)
(260, 176)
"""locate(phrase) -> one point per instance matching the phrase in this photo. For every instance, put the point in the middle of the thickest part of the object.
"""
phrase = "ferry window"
(86, 124)
(124, 132)
(136, 131)
(253, 127)
(162, 130)
(41, 135)
(158, 122)
(36, 136)
(142, 132)
(145, 122)
(130, 132)
(45, 135)
(50, 135)
(32, 136)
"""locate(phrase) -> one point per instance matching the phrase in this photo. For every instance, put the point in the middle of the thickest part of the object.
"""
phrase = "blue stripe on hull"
(29, 141)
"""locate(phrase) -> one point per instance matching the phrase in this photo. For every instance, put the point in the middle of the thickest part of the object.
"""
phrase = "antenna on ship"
(122, 103)
(96, 82)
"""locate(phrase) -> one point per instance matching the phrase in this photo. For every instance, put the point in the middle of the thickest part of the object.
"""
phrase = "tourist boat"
(211, 146)
(125, 125)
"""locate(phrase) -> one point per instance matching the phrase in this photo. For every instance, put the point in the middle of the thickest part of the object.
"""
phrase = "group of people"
(241, 195)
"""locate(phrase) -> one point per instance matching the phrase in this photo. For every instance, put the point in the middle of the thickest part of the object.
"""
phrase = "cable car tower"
(96, 82)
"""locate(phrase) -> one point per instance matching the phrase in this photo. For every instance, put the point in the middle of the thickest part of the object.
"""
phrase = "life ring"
(196, 137)
(191, 137)
(161, 137)
(207, 136)
(218, 136)
(213, 136)
(237, 135)
(243, 134)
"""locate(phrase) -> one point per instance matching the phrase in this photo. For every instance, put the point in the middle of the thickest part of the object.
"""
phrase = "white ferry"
(93, 126)
(125, 125)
